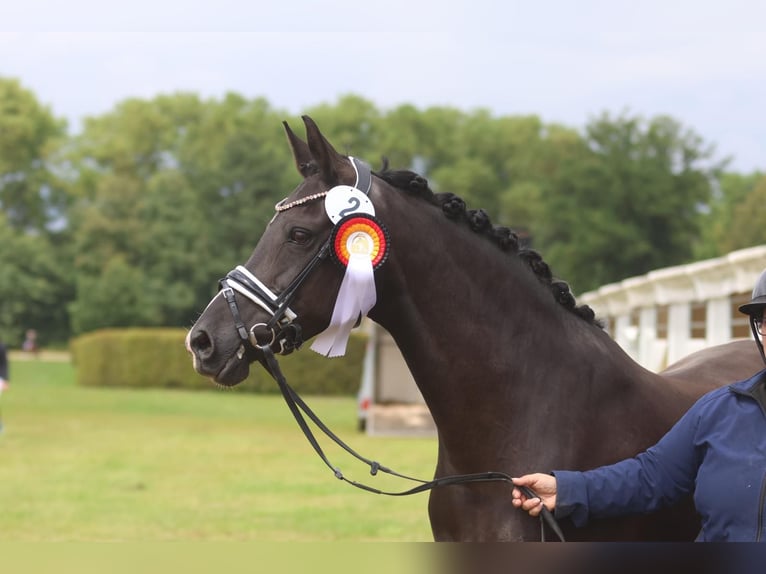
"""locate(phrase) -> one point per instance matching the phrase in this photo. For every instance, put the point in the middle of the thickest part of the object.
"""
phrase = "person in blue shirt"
(3, 367)
(716, 450)
(3, 376)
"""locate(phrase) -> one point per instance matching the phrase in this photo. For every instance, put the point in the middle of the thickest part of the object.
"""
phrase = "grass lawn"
(93, 465)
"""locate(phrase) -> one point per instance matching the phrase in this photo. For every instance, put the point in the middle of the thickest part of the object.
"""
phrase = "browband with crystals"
(282, 206)
(363, 183)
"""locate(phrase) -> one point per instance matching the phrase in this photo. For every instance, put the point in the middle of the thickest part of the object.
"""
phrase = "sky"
(701, 62)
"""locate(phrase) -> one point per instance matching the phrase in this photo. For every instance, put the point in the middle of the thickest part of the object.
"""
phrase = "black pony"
(517, 377)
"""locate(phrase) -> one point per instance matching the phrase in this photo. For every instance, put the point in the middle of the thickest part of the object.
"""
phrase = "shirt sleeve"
(659, 476)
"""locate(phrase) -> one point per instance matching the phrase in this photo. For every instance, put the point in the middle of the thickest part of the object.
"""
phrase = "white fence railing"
(668, 313)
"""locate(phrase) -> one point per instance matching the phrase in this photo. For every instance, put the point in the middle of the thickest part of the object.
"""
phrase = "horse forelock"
(506, 239)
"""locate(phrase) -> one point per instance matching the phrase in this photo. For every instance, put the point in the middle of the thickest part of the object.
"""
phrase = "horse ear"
(329, 160)
(301, 152)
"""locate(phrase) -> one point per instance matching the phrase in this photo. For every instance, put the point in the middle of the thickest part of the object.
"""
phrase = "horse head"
(285, 291)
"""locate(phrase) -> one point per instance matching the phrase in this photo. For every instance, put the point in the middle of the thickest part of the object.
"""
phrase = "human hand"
(544, 486)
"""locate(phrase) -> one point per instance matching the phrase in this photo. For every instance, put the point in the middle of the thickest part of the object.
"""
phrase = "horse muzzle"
(226, 363)
(224, 348)
(225, 355)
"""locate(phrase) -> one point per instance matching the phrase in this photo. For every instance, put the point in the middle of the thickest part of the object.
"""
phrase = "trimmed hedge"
(156, 358)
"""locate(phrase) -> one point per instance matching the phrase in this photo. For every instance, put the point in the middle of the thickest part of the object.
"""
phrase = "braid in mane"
(478, 220)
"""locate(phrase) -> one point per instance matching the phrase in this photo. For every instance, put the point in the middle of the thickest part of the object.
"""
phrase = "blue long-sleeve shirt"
(716, 450)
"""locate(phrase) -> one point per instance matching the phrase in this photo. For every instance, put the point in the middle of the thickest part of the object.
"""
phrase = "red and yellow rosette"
(360, 234)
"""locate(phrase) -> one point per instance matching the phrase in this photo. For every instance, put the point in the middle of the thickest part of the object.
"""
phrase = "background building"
(662, 316)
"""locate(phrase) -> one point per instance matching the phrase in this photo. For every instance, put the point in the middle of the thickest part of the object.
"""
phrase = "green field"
(89, 464)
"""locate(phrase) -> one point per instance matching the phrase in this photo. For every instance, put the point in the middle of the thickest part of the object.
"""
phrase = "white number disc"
(343, 200)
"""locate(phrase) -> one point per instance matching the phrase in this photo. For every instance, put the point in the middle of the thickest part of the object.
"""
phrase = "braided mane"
(478, 220)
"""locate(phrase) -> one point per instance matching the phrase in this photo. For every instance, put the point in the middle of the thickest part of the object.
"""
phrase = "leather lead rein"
(296, 405)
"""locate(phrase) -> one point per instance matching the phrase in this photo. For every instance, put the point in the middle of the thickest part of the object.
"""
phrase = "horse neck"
(479, 332)
(462, 317)
(451, 298)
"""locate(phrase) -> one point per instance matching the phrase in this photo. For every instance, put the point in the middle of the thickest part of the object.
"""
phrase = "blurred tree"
(35, 269)
(175, 191)
(747, 219)
(422, 141)
(31, 195)
(117, 297)
(352, 125)
(628, 201)
(238, 165)
(543, 158)
(727, 224)
(491, 155)
(402, 139)
(136, 218)
(34, 286)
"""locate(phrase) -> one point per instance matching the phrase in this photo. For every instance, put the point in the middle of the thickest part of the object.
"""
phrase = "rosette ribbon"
(360, 243)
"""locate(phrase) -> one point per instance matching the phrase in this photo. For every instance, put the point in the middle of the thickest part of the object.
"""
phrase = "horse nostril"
(201, 344)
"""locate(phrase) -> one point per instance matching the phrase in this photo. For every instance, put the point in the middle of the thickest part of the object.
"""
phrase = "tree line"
(131, 221)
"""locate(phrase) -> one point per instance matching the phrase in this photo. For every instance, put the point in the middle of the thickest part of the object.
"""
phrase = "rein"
(296, 404)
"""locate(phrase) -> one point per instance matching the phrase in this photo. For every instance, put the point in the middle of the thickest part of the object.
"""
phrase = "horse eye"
(300, 236)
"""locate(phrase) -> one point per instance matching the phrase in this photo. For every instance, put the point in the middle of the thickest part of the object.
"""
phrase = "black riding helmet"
(754, 309)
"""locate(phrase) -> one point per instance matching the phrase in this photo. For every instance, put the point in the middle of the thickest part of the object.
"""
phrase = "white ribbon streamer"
(356, 297)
